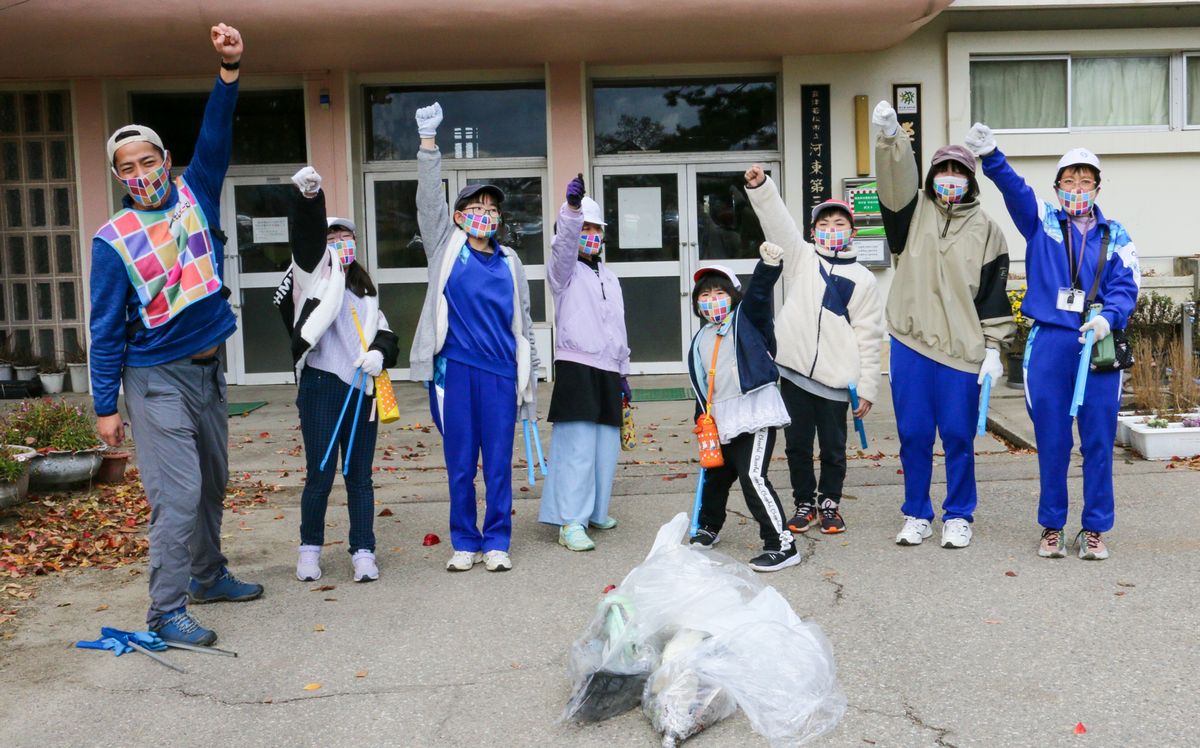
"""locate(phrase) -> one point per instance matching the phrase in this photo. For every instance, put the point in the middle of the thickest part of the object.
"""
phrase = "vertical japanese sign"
(906, 98)
(818, 184)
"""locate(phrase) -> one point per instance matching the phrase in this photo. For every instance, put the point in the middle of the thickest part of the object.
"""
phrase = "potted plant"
(77, 365)
(1174, 428)
(25, 365)
(14, 473)
(51, 372)
(64, 437)
(6, 369)
(1016, 348)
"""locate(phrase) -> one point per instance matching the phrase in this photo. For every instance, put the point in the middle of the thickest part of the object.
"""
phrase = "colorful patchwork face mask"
(950, 188)
(834, 241)
(480, 225)
(150, 189)
(591, 244)
(344, 249)
(715, 310)
(1077, 203)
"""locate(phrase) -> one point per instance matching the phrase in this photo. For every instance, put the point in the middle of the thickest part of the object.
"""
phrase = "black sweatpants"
(812, 414)
(747, 457)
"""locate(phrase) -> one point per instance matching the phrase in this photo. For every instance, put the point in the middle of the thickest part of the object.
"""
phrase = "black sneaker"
(805, 517)
(831, 518)
(705, 538)
(776, 560)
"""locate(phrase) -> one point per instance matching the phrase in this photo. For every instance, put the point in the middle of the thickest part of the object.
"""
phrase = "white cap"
(332, 221)
(721, 269)
(1077, 156)
(592, 212)
(132, 134)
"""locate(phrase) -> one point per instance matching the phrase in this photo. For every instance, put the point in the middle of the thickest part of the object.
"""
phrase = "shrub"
(50, 424)
(11, 469)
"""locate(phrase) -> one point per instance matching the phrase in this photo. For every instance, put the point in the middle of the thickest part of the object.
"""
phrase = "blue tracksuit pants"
(476, 411)
(582, 465)
(932, 399)
(1051, 361)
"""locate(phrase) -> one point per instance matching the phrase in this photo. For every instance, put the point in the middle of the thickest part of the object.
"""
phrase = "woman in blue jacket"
(1074, 257)
(746, 403)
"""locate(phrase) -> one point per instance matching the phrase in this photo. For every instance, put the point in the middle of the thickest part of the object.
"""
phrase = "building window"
(1193, 90)
(268, 126)
(685, 116)
(481, 121)
(1068, 92)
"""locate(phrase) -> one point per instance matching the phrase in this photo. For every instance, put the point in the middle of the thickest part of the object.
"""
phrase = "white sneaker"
(365, 569)
(914, 531)
(463, 561)
(956, 533)
(497, 561)
(308, 566)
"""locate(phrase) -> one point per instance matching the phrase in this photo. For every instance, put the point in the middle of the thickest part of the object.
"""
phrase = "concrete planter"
(25, 373)
(1124, 421)
(14, 493)
(6, 371)
(80, 381)
(52, 383)
(1176, 440)
(57, 470)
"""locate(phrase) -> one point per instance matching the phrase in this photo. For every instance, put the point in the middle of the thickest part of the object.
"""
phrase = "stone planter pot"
(1016, 375)
(112, 467)
(12, 494)
(1124, 421)
(1176, 440)
(79, 377)
(6, 371)
(52, 383)
(57, 470)
(25, 373)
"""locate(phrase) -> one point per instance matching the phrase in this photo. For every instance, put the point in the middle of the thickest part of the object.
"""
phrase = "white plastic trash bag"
(690, 634)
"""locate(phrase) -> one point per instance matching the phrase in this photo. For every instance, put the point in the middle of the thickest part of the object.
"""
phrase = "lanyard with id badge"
(1073, 299)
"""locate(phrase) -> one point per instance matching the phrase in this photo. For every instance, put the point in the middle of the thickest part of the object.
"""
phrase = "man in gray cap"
(948, 316)
(158, 317)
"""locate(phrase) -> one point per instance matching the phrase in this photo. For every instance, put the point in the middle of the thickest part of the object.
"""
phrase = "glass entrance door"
(255, 218)
(664, 222)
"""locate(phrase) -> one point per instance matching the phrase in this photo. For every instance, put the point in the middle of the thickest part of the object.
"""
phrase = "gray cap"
(471, 190)
(132, 134)
(332, 221)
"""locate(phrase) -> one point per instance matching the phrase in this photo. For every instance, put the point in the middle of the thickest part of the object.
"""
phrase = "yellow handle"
(358, 326)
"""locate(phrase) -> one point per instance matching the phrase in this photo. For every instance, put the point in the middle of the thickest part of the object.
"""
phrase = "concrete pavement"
(985, 646)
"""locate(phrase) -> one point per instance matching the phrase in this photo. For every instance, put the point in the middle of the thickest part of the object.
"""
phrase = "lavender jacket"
(589, 311)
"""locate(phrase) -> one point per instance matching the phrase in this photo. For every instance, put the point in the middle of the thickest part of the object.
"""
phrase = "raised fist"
(576, 189)
(772, 254)
(428, 119)
(885, 116)
(755, 176)
(227, 41)
(980, 139)
(308, 181)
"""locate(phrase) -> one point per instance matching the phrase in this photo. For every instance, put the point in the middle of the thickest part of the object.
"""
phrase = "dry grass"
(1145, 378)
(1181, 381)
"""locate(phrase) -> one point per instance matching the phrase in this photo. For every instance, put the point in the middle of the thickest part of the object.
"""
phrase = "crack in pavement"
(911, 715)
(838, 590)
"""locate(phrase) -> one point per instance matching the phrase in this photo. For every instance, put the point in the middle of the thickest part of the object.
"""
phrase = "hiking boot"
(308, 566)
(365, 569)
(831, 518)
(1053, 544)
(497, 561)
(956, 533)
(1091, 546)
(705, 538)
(804, 518)
(776, 560)
(227, 587)
(607, 523)
(180, 627)
(914, 531)
(573, 537)
(463, 560)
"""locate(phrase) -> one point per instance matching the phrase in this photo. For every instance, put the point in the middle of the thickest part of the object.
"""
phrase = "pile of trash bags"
(693, 636)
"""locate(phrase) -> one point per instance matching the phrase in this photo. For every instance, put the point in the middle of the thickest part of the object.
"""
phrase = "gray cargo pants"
(180, 426)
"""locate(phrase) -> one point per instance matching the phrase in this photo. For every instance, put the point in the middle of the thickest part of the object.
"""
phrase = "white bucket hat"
(592, 212)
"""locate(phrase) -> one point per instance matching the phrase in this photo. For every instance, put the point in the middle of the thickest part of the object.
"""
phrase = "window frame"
(1028, 58)
(1184, 98)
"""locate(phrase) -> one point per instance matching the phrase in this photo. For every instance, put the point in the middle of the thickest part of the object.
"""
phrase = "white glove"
(1099, 323)
(772, 254)
(885, 116)
(980, 139)
(371, 362)
(428, 119)
(991, 366)
(308, 181)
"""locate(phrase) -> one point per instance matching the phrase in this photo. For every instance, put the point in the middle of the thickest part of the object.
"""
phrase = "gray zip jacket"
(443, 240)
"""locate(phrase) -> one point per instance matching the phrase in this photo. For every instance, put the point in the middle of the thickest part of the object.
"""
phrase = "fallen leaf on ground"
(1079, 728)
(324, 588)
(1126, 584)
(608, 589)
(312, 686)
(1010, 573)
(431, 539)
(102, 606)
(385, 513)
(319, 628)
(361, 674)
(991, 620)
